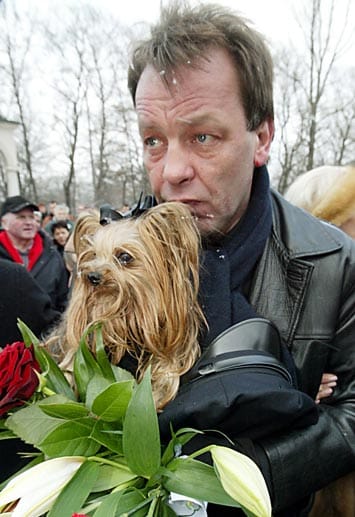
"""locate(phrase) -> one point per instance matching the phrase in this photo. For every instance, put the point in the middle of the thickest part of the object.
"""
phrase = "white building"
(8, 156)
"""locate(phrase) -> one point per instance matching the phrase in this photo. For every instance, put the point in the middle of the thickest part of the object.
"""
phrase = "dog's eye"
(124, 258)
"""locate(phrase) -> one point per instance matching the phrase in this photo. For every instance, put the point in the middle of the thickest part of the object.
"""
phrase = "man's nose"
(178, 167)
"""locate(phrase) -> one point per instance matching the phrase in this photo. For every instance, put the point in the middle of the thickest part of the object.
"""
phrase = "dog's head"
(139, 277)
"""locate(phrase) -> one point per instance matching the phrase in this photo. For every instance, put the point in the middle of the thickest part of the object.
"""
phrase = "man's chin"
(208, 229)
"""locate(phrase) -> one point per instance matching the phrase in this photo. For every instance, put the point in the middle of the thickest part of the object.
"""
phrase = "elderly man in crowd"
(21, 242)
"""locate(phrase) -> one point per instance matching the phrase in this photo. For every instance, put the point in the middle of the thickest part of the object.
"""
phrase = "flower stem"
(199, 452)
(105, 461)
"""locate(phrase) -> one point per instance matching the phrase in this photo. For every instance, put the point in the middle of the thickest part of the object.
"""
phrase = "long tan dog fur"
(140, 278)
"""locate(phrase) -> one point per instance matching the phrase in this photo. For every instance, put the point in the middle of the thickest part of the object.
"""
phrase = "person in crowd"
(38, 218)
(61, 213)
(51, 207)
(328, 192)
(23, 243)
(21, 297)
(86, 219)
(202, 86)
(61, 233)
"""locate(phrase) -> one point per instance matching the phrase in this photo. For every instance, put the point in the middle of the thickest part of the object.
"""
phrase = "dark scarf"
(227, 266)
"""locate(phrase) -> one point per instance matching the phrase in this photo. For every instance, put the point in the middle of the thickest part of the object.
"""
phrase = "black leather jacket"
(305, 284)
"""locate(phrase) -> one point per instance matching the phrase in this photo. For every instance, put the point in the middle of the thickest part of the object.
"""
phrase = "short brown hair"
(185, 33)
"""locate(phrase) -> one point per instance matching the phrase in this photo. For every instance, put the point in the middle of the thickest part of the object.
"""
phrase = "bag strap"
(253, 343)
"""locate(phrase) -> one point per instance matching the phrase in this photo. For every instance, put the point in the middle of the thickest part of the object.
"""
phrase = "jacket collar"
(302, 234)
(283, 275)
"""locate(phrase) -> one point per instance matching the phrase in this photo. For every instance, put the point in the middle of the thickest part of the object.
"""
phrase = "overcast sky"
(277, 19)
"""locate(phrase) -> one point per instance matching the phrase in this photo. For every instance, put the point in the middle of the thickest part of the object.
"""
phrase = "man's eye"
(151, 141)
(124, 258)
(202, 138)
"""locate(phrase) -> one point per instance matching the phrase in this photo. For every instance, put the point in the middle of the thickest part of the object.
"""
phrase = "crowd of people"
(31, 258)
(202, 87)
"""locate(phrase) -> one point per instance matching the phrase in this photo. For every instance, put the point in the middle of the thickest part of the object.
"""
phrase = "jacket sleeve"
(36, 308)
(303, 461)
(22, 297)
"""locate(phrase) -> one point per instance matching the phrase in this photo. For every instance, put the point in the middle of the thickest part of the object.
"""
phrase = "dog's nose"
(94, 277)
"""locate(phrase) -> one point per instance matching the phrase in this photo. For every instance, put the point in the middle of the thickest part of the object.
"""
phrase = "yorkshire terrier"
(139, 277)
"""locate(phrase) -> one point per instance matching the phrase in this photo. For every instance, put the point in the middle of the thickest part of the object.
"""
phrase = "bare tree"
(3, 177)
(115, 161)
(306, 110)
(15, 43)
(68, 47)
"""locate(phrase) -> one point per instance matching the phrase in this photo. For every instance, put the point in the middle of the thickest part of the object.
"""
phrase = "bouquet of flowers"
(99, 449)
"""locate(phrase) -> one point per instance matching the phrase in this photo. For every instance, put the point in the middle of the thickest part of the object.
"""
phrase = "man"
(21, 242)
(61, 213)
(202, 85)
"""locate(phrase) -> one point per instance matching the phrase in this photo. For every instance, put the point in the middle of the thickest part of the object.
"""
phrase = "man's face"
(196, 146)
(20, 226)
(61, 214)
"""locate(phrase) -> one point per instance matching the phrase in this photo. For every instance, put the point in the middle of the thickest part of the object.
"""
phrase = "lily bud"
(242, 480)
(37, 488)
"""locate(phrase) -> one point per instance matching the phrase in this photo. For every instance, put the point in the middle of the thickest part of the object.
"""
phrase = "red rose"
(79, 515)
(18, 381)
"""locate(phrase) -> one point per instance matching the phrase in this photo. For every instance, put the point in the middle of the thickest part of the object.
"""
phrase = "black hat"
(15, 204)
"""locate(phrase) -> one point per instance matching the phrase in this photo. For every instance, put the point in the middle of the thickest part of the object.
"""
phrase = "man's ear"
(4, 222)
(264, 136)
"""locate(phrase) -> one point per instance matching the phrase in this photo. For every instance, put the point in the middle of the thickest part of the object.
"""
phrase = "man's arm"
(305, 460)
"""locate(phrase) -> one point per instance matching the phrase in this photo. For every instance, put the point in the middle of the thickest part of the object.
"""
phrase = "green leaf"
(96, 385)
(101, 356)
(119, 503)
(85, 366)
(56, 380)
(75, 493)
(72, 438)
(111, 404)
(193, 478)
(121, 374)
(28, 336)
(163, 510)
(67, 410)
(110, 477)
(108, 436)
(7, 435)
(141, 440)
(32, 425)
(180, 438)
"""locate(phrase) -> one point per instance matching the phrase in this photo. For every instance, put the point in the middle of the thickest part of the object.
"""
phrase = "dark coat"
(50, 272)
(304, 284)
(21, 297)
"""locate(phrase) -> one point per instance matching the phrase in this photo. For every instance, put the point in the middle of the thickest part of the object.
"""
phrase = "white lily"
(37, 488)
(242, 479)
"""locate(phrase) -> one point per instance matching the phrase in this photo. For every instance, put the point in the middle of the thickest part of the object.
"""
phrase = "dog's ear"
(174, 231)
(173, 224)
(86, 226)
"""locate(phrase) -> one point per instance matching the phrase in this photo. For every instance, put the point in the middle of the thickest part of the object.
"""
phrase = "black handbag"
(241, 386)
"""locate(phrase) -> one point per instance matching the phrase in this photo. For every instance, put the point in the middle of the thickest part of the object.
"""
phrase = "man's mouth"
(196, 208)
